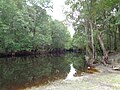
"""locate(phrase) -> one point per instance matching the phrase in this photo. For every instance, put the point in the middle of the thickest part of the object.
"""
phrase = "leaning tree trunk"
(105, 53)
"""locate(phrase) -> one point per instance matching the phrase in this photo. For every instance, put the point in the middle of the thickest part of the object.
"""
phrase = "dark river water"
(22, 72)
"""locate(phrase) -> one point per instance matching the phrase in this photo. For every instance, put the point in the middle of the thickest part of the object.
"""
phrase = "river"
(21, 72)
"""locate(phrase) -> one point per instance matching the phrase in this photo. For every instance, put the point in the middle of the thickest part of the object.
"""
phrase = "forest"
(35, 48)
(27, 28)
(97, 27)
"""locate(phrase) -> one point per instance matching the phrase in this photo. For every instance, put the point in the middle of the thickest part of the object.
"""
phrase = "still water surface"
(22, 72)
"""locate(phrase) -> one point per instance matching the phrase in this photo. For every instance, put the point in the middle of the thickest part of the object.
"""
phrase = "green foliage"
(79, 39)
(25, 25)
(60, 35)
(103, 15)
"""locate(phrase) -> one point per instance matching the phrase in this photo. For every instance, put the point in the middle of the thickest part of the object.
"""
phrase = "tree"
(95, 17)
(60, 35)
(26, 26)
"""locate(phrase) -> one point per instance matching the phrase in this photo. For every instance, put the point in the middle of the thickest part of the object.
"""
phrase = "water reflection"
(21, 72)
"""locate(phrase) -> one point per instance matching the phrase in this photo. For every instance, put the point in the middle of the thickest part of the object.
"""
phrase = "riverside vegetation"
(26, 28)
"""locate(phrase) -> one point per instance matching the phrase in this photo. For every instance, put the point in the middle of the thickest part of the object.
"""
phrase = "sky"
(58, 6)
(57, 9)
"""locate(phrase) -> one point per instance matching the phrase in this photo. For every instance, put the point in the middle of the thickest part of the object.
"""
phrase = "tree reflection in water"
(22, 72)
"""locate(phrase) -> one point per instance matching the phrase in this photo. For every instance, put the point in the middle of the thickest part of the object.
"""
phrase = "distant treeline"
(26, 28)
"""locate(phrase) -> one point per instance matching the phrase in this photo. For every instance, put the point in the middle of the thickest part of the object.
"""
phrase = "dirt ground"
(106, 79)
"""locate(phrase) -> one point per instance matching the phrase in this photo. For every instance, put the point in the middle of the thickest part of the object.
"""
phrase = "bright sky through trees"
(58, 6)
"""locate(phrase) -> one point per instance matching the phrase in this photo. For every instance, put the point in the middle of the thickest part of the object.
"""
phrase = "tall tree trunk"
(119, 31)
(92, 41)
(88, 46)
(105, 53)
(90, 49)
(110, 43)
(115, 41)
(89, 32)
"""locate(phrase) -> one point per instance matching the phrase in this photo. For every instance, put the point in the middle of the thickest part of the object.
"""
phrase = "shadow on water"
(22, 72)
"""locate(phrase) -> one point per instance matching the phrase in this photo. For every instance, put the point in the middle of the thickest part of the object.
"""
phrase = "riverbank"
(105, 79)
(39, 52)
